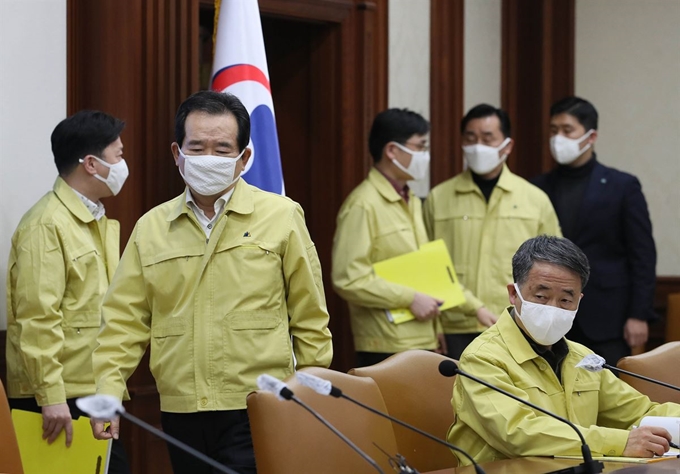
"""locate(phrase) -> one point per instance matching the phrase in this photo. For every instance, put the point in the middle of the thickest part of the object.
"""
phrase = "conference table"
(536, 465)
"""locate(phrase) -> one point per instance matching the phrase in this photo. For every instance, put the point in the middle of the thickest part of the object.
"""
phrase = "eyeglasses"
(419, 146)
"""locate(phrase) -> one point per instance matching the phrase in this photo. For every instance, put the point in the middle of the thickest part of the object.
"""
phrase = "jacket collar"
(72, 202)
(517, 345)
(241, 201)
(507, 181)
(384, 187)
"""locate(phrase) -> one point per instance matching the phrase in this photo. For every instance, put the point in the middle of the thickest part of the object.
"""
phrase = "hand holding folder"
(428, 270)
(86, 455)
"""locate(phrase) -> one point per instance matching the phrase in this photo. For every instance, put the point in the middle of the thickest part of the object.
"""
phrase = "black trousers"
(221, 435)
(118, 463)
(456, 343)
(364, 359)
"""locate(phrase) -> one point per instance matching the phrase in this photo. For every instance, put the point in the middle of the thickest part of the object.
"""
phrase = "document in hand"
(86, 455)
(428, 270)
(670, 423)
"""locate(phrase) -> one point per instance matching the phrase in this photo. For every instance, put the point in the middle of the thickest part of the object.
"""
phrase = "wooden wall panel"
(136, 60)
(446, 88)
(537, 70)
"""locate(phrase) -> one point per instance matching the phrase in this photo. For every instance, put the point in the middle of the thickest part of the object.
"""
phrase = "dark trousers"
(364, 359)
(118, 463)
(456, 343)
(222, 435)
(612, 350)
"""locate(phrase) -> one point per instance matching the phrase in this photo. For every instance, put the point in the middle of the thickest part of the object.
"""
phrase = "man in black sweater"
(603, 211)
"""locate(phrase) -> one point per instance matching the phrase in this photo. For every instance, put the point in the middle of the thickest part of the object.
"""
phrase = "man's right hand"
(646, 441)
(57, 418)
(486, 317)
(425, 307)
(100, 432)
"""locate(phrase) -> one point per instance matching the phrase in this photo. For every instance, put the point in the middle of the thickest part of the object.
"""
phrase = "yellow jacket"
(374, 224)
(60, 265)
(482, 238)
(219, 312)
(491, 426)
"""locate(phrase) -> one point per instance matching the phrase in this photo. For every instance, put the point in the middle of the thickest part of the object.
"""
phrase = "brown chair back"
(673, 318)
(288, 439)
(415, 392)
(10, 459)
(660, 364)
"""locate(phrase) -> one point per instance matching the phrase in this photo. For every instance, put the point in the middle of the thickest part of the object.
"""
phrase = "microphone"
(595, 363)
(273, 385)
(325, 387)
(448, 368)
(106, 407)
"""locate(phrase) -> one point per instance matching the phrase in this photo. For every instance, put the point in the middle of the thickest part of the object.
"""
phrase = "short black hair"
(549, 249)
(581, 109)
(214, 103)
(394, 125)
(87, 132)
(486, 110)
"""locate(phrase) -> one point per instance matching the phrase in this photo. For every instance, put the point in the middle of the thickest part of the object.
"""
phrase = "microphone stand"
(641, 377)
(336, 392)
(356, 448)
(588, 466)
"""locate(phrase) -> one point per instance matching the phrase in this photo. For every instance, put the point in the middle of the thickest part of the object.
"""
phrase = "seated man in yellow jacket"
(223, 282)
(525, 353)
(63, 256)
(382, 219)
(484, 214)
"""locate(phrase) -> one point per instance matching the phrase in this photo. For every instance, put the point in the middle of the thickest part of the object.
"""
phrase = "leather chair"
(10, 459)
(661, 364)
(415, 392)
(673, 318)
(288, 439)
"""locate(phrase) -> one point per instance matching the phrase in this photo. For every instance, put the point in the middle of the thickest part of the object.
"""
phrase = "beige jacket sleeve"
(352, 272)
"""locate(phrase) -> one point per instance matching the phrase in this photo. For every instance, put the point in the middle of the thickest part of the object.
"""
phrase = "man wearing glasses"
(381, 219)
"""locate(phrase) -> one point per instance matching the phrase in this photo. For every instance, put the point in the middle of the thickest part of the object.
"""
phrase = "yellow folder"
(86, 455)
(427, 270)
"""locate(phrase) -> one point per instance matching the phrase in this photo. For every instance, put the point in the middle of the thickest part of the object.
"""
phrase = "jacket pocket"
(585, 401)
(81, 319)
(169, 327)
(255, 342)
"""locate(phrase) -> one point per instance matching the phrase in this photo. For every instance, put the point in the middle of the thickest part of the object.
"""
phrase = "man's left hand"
(636, 332)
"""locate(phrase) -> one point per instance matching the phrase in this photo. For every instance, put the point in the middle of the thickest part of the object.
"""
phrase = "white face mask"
(420, 162)
(567, 150)
(545, 324)
(118, 173)
(208, 174)
(483, 159)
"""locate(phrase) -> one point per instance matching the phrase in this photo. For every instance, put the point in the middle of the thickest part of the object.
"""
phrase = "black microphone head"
(286, 393)
(448, 368)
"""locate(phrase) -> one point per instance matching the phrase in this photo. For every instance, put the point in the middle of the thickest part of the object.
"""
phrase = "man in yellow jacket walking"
(63, 256)
(223, 282)
(484, 214)
(382, 219)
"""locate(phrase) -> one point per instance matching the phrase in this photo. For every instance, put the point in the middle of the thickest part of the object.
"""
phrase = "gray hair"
(549, 249)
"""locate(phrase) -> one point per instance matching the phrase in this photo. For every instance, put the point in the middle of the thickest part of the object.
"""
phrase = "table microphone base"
(589, 467)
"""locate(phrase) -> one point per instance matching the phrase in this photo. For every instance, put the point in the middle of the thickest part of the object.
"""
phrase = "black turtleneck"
(486, 185)
(570, 187)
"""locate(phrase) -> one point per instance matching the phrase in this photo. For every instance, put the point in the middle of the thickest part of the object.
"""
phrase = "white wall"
(482, 51)
(409, 63)
(33, 98)
(628, 66)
